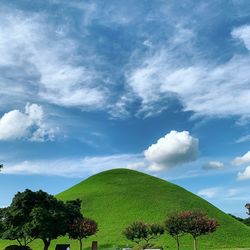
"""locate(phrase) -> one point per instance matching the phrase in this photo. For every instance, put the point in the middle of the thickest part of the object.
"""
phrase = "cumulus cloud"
(213, 165)
(245, 175)
(241, 160)
(29, 124)
(173, 149)
(75, 167)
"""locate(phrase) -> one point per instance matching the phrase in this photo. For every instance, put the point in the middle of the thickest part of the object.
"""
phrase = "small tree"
(139, 231)
(197, 223)
(82, 228)
(174, 226)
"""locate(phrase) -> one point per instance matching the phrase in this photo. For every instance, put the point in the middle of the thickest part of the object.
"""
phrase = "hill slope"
(116, 198)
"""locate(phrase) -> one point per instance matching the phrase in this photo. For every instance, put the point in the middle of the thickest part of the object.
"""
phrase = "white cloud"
(245, 175)
(78, 167)
(226, 193)
(244, 138)
(173, 149)
(242, 33)
(198, 84)
(29, 124)
(209, 192)
(241, 160)
(212, 165)
(44, 63)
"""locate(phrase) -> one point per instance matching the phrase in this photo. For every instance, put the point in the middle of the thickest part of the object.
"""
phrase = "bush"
(16, 247)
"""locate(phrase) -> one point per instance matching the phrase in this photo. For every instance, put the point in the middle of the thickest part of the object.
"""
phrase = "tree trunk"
(195, 244)
(46, 244)
(178, 243)
(80, 241)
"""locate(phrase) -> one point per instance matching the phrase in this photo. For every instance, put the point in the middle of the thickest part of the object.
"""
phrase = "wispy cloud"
(45, 60)
(76, 167)
(200, 85)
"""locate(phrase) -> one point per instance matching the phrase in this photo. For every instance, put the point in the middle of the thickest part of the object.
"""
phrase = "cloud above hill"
(213, 165)
(175, 148)
(29, 124)
(241, 160)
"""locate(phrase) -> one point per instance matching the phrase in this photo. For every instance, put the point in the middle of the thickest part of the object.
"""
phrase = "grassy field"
(116, 198)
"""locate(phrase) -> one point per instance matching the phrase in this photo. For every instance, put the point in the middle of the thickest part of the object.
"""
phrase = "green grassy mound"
(118, 197)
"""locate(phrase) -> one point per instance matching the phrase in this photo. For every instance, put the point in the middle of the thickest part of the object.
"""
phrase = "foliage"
(37, 215)
(82, 228)
(139, 231)
(197, 223)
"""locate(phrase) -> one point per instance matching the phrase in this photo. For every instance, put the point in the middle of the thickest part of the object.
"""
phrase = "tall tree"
(81, 229)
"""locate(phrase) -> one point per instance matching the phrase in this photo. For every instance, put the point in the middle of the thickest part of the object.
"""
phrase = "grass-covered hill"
(118, 197)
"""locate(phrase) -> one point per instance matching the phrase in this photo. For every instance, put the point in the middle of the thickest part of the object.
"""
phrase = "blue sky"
(155, 86)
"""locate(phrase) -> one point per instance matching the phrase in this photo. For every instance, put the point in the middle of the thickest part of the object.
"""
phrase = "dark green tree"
(38, 215)
(81, 229)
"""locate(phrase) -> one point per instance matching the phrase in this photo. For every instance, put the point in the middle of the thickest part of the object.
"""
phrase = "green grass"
(118, 197)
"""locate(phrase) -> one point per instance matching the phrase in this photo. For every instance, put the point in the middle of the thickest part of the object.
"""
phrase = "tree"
(197, 223)
(15, 224)
(1, 167)
(37, 215)
(139, 231)
(174, 226)
(82, 228)
(52, 218)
